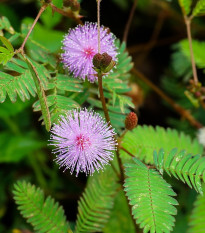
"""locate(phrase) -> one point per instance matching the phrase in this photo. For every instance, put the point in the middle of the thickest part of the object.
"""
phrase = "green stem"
(11, 124)
(102, 98)
(40, 93)
(188, 27)
(37, 170)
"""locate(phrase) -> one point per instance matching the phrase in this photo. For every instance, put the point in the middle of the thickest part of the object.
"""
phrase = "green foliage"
(21, 83)
(186, 6)
(58, 101)
(94, 207)
(6, 53)
(120, 220)
(198, 50)
(45, 215)
(197, 223)
(51, 41)
(187, 167)
(150, 197)
(143, 140)
(115, 87)
(199, 8)
(5, 25)
(14, 148)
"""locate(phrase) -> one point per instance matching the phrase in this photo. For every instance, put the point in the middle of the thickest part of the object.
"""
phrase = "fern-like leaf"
(198, 49)
(197, 223)
(150, 198)
(7, 52)
(199, 8)
(21, 83)
(57, 100)
(186, 6)
(94, 207)
(143, 140)
(187, 167)
(45, 215)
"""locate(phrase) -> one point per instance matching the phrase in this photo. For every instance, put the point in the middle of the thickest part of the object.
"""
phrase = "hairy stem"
(128, 24)
(68, 13)
(125, 150)
(41, 94)
(188, 27)
(181, 111)
(102, 98)
(98, 16)
(32, 27)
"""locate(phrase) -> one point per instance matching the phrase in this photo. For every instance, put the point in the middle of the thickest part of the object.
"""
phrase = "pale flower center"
(82, 142)
(89, 52)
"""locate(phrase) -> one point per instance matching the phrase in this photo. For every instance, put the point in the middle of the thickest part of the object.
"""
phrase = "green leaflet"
(5, 25)
(150, 197)
(45, 215)
(22, 84)
(198, 49)
(6, 53)
(199, 8)
(197, 223)
(115, 85)
(120, 220)
(94, 207)
(143, 140)
(41, 93)
(187, 167)
(186, 6)
(58, 102)
(14, 148)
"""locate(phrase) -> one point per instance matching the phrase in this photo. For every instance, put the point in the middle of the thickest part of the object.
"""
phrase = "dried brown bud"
(75, 6)
(197, 94)
(97, 60)
(131, 121)
(67, 3)
(106, 60)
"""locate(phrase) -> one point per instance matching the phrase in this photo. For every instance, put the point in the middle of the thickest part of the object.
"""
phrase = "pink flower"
(81, 44)
(84, 141)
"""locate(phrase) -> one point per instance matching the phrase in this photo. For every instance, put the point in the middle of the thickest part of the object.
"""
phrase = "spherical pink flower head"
(84, 141)
(81, 44)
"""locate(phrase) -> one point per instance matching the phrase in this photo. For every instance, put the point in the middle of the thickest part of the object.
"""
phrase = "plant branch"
(181, 111)
(68, 13)
(128, 24)
(188, 27)
(102, 98)
(125, 150)
(41, 94)
(98, 16)
(32, 27)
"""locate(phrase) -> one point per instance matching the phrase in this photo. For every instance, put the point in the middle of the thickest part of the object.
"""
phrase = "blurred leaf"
(186, 6)
(199, 8)
(50, 39)
(14, 148)
(49, 18)
(198, 50)
(197, 218)
(5, 24)
(11, 109)
(120, 220)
